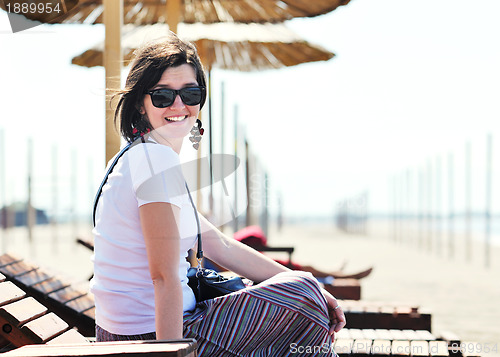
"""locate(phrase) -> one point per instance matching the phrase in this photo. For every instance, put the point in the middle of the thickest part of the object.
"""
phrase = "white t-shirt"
(122, 285)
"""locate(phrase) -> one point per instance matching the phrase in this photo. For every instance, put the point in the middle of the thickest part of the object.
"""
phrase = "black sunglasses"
(165, 97)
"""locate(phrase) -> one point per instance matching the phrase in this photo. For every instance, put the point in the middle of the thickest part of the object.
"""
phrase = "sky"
(411, 83)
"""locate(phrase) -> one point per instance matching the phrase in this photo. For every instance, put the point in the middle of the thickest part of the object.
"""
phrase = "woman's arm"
(236, 256)
(243, 260)
(161, 235)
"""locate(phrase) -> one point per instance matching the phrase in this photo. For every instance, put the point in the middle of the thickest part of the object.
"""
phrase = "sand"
(463, 297)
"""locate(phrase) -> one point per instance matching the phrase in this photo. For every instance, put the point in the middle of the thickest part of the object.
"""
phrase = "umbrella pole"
(210, 142)
(113, 19)
(173, 14)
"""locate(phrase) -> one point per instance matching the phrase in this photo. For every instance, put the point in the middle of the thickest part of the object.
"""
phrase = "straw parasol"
(143, 12)
(241, 47)
(113, 13)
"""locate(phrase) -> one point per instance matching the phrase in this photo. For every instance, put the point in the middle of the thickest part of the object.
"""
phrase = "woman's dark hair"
(147, 68)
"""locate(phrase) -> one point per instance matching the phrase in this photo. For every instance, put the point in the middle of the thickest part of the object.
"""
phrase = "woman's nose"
(178, 103)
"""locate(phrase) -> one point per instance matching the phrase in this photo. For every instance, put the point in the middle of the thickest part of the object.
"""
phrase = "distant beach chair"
(71, 303)
(362, 314)
(396, 342)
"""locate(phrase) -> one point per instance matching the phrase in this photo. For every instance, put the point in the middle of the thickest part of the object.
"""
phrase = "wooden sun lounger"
(24, 321)
(364, 314)
(165, 348)
(74, 305)
(393, 342)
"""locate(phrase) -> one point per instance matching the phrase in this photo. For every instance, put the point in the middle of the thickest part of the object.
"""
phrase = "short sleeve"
(156, 174)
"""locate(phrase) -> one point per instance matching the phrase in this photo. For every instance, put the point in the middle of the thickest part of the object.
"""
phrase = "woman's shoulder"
(151, 152)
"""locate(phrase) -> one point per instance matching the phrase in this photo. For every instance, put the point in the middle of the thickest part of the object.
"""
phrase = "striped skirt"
(286, 315)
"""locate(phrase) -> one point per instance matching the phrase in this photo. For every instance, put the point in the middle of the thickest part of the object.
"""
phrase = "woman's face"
(173, 123)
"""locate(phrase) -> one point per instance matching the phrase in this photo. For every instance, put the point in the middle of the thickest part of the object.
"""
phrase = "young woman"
(146, 223)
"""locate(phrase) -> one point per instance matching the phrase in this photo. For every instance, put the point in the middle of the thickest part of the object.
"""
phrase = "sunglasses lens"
(191, 96)
(163, 98)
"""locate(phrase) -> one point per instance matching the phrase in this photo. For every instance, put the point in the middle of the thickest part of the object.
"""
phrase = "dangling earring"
(196, 133)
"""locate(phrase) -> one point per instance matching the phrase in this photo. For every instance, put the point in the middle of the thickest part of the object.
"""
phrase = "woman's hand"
(337, 317)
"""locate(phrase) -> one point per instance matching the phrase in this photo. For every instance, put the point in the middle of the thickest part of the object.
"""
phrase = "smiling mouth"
(175, 119)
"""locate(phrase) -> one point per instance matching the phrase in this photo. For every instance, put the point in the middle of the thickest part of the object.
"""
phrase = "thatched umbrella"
(240, 47)
(139, 12)
(143, 12)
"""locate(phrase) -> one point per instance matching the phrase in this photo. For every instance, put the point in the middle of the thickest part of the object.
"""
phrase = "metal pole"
(30, 217)
(248, 219)
(421, 210)
(236, 225)
(409, 219)
(489, 161)
(54, 197)
(92, 189)
(439, 207)
(3, 205)
(222, 123)
(210, 145)
(451, 210)
(74, 191)
(468, 203)
(265, 216)
(429, 206)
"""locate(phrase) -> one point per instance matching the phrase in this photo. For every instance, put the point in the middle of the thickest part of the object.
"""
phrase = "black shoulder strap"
(105, 179)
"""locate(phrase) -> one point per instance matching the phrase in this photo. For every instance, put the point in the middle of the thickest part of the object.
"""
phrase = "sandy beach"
(461, 296)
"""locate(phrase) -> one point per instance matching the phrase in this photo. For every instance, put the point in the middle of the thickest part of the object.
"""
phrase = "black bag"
(206, 283)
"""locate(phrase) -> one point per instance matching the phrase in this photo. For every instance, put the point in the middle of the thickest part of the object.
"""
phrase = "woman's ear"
(140, 109)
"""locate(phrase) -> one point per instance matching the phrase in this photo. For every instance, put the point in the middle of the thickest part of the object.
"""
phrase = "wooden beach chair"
(71, 303)
(157, 348)
(25, 321)
(387, 342)
(362, 314)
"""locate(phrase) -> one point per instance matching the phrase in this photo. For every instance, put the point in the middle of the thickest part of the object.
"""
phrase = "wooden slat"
(362, 346)
(81, 304)
(7, 258)
(397, 334)
(177, 348)
(343, 346)
(400, 348)
(438, 348)
(90, 313)
(17, 269)
(383, 334)
(22, 311)
(51, 285)
(381, 347)
(425, 335)
(9, 293)
(33, 277)
(70, 336)
(419, 348)
(471, 349)
(45, 328)
(67, 294)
